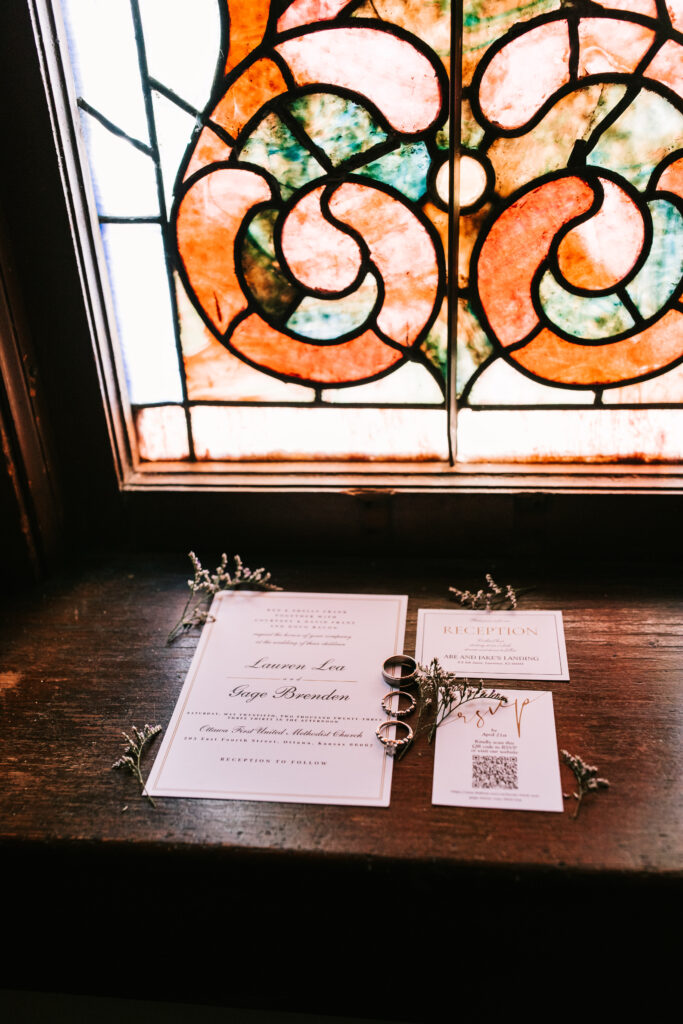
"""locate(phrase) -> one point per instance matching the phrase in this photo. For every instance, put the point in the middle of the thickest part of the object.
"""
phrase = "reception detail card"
(282, 701)
(494, 754)
(494, 645)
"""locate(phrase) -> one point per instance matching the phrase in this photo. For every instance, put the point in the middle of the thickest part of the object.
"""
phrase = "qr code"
(494, 773)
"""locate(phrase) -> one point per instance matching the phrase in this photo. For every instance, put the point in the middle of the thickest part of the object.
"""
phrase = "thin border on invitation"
(515, 674)
(154, 788)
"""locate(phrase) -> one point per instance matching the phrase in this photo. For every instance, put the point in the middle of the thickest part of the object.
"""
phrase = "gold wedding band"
(401, 662)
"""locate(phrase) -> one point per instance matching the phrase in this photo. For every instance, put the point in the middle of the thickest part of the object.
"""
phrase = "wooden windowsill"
(426, 477)
(231, 883)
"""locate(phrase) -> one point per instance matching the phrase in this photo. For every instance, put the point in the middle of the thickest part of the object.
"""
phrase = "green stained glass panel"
(339, 126)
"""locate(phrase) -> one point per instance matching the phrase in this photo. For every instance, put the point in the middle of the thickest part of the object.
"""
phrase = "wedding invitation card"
(494, 645)
(282, 701)
(494, 754)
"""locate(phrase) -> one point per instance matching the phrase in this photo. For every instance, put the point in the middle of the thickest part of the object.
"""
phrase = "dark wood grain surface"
(84, 657)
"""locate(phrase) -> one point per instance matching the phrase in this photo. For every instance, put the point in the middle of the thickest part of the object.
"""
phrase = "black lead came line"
(106, 218)
(193, 111)
(113, 128)
(173, 97)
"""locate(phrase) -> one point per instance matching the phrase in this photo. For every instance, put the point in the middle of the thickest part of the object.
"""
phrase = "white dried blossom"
(493, 596)
(586, 776)
(132, 755)
(205, 584)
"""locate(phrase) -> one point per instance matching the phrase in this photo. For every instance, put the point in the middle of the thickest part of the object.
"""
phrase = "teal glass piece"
(326, 319)
(405, 168)
(340, 127)
(262, 272)
(639, 139)
(590, 317)
(272, 146)
(661, 273)
(478, 14)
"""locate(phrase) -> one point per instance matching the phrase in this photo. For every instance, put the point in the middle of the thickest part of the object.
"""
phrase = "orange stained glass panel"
(389, 71)
(671, 179)
(259, 82)
(516, 245)
(248, 22)
(646, 7)
(609, 44)
(675, 9)
(439, 219)
(305, 12)
(584, 259)
(428, 21)
(361, 357)
(667, 67)
(209, 218)
(553, 358)
(403, 252)
(524, 74)
(491, 20)
(319, 255)
(215, 374)
(208, 150)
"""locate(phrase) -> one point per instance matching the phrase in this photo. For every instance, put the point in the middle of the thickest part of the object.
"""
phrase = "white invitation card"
(494, 754)
(494, 645)
(282, 701)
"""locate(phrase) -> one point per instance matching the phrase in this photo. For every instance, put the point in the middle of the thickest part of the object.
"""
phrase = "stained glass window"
(570, 325)
(272, 183)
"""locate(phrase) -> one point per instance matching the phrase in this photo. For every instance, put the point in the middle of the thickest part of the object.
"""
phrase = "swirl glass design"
(302, 236)
(571, 255)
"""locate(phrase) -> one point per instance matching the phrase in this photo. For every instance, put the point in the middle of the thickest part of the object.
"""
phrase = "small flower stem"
(140, 779)
(181, 624)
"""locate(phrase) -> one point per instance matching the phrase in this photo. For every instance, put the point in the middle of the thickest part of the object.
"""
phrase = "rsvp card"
(494, 645)
(492, 754)
(282, 701)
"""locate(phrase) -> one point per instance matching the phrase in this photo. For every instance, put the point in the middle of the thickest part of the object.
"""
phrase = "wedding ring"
(393, 745)
(401, 662)
(398, 713)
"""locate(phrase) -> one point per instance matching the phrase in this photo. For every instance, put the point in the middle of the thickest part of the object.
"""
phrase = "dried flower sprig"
(440, 693)
(586, 777)
(205, 585)
(132, 755)
(493, 597)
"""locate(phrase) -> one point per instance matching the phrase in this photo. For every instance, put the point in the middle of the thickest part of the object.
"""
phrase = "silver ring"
(406, 711)
(400, 662)
(392, 745)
